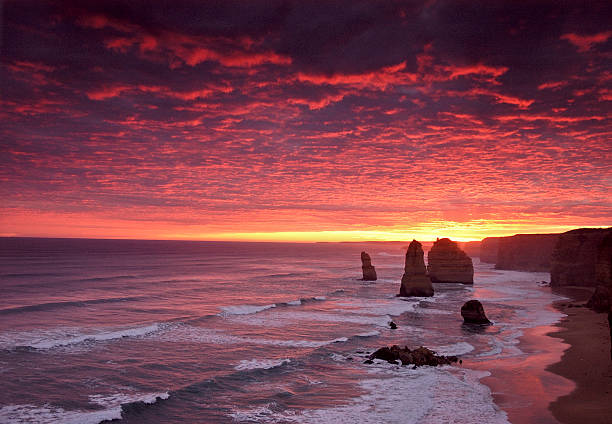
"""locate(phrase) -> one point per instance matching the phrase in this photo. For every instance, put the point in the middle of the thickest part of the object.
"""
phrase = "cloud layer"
(206, 119)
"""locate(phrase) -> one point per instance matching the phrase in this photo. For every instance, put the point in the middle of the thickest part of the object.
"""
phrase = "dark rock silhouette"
(369, 272)
(392, 325)
(447, 263)
(600, 300)
(417, 357)
(610, 326)
(582, 257)
(526, 252)
(415, 281)
(473, 313)
(488, 249)
(471, 248)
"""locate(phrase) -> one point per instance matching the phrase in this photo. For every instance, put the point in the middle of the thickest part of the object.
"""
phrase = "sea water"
(206, 332)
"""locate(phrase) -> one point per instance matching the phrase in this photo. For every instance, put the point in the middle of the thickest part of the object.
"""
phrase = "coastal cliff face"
(526, 252)
(415, 281)
(447, 263)
(488, 249)
(471, 248)
(582, 257)
(369, 272)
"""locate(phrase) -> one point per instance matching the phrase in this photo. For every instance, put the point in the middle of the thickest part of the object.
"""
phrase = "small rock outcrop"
(447, 263)
(600, 300)
(415, 281)
(369, 272)
(582, 257)
(417, 357)
(526, 252)
(488, 249)
(473, 313)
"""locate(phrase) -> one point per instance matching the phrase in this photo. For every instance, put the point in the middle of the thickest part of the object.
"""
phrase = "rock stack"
(473, 313)
(415, 281)
(369, 272)
(447, 263)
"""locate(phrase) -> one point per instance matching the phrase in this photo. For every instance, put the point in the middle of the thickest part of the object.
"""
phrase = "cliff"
(471, 248)
(447, 263)
(582, 257)
(488, 249)
(526, 252)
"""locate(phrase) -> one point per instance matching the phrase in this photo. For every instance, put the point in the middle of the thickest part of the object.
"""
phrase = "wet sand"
(586, 362)
(521, 385)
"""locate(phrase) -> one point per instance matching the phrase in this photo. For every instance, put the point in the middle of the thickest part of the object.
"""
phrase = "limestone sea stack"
(415, 281)
(447, 263)
(369, 272)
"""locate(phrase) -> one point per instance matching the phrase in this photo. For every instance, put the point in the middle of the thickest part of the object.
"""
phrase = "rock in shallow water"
(417, 357)
(473, 313)
(369, 272)
(415, 281)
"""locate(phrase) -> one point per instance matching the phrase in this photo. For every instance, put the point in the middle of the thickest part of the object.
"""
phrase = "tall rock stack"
(369, 272)
(582, 258)
(447, 263)
(415, 281)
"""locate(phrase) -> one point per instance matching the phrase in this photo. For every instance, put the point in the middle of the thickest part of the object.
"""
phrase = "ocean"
(226, 332)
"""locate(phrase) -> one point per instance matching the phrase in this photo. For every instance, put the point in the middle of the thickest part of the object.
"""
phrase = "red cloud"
(585, 42)
(552, 85)
(376, 80)
(182, 49)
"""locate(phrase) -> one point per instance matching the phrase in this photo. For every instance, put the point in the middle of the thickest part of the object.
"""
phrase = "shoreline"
(522, 386)
(586, 362)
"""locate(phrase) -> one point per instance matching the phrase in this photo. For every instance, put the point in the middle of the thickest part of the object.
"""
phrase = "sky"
(304, 120)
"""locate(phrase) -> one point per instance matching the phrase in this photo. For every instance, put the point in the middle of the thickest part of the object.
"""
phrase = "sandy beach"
(586, 362)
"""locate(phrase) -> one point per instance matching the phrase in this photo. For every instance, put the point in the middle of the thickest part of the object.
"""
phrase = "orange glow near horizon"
(83, 226)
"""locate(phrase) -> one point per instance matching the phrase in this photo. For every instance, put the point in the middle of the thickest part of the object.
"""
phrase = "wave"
(114, 407)
(438, 395)
(263, 364)
(204, 335)
(244, 309)
(114, 277)
(253, 309)
(42, 340)
(74, 303)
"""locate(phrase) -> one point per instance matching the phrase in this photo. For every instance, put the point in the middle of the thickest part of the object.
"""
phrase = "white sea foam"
(436, 395)
(369, 334)
(294, 302)
(244, 309)
(264, 364)
(118, 399)
(49, 414)
(48, 339)
(260, 414)
(282, 318)
(460, 348)
(14, 414)
(219, 337)
(320, 297)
